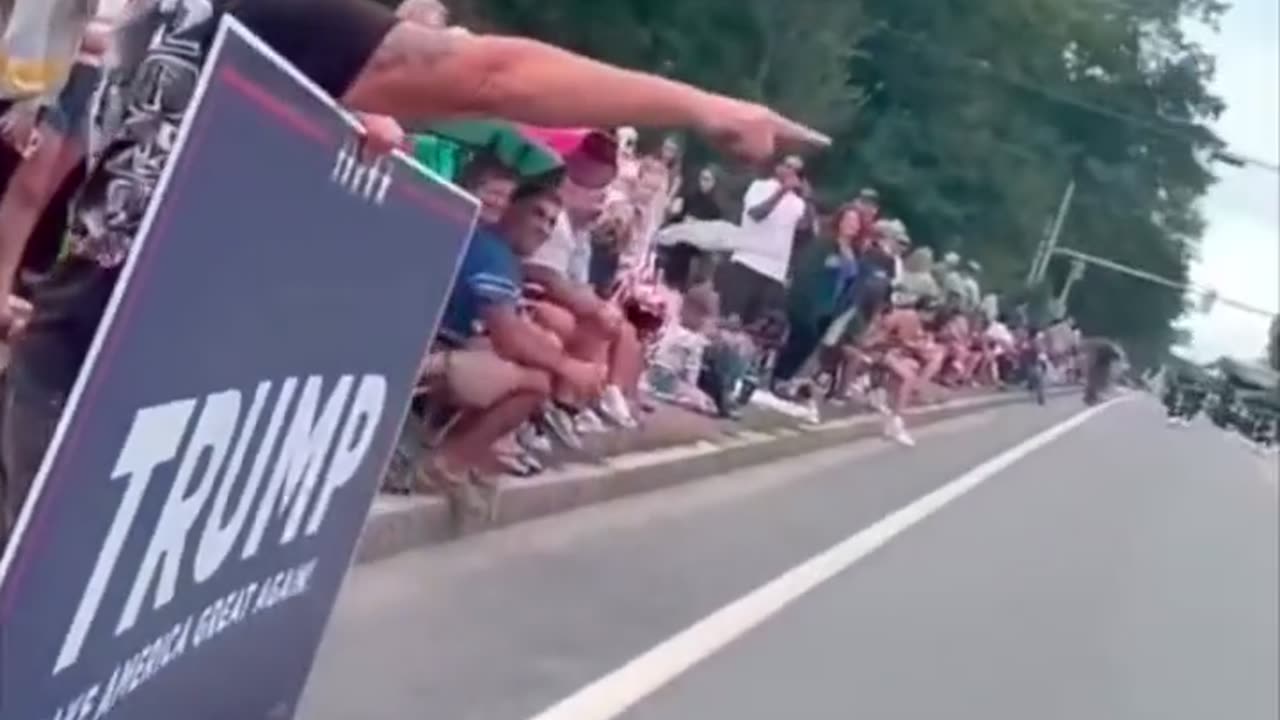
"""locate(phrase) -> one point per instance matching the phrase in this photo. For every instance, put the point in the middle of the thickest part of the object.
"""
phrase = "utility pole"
(1034, 268)
(1044, 253)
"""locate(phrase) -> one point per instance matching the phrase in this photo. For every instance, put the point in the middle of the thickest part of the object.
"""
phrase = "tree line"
(969, 118)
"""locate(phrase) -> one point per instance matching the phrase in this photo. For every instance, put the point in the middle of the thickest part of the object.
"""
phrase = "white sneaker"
(878, 399)
(815, 413)
(561, 425)
(896, 430)
(533, 441)
(616, 409)
(587, 422)
(772, 402)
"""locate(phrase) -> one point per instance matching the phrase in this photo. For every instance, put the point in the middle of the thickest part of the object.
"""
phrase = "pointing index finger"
(791, 132)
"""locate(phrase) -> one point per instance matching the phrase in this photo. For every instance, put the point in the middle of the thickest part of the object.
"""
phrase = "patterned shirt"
(159, 48)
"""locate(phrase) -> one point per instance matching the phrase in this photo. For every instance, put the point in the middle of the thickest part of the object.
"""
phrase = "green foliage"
(970, 118)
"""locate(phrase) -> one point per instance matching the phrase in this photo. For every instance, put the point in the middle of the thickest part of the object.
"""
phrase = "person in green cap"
(437, 154)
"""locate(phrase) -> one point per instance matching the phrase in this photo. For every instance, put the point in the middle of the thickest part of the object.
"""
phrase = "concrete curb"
(398, 524)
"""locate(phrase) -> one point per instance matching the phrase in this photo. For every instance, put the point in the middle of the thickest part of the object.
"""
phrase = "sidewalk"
(673, 447)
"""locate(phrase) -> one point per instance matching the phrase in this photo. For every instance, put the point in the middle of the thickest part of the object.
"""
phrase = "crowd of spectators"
(586, 300)
(588, 294)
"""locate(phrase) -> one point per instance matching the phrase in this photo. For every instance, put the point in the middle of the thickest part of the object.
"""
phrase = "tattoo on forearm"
(411, 49)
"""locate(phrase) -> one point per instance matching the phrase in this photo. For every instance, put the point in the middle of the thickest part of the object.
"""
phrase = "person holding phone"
(754, 281)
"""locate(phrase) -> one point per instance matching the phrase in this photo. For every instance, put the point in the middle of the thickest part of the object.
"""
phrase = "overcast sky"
(1241, 251)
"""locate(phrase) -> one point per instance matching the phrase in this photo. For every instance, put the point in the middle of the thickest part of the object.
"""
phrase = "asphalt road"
(1121, 570)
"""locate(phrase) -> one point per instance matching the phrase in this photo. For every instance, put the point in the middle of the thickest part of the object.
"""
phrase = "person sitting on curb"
(625, 235)
(900, 344)
(492, 183)
(591, 328)
(915, 327)
(956, 338)
(994, 347)
(496, 364)
(675, 369)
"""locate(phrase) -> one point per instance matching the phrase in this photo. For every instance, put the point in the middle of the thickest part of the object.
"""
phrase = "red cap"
(596, 144)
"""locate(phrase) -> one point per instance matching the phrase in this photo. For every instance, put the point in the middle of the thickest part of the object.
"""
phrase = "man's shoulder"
(488, 247)
(485, 238)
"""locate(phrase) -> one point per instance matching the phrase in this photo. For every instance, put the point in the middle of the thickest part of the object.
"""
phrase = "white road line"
(611, 695)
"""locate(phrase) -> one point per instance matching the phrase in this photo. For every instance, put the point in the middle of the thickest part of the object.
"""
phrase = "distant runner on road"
(1101, 359)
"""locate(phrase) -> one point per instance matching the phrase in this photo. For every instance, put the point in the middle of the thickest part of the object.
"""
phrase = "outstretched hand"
(754, 132)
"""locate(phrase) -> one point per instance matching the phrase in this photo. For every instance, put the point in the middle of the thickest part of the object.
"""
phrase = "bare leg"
(903, 384)
(987, 371)
(471, 440)
(626, 361)
(966, 363)
(933, 359)
(852, 361)
(620, 352)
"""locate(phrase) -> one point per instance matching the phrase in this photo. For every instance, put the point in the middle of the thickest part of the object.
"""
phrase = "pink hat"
(599, 145)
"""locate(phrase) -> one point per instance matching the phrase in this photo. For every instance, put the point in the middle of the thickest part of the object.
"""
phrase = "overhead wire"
(1174, 129)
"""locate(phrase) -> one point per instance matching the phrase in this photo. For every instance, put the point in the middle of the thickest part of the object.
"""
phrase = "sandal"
(465, 490)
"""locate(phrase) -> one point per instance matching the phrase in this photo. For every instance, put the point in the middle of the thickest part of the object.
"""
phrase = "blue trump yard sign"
(200, 504)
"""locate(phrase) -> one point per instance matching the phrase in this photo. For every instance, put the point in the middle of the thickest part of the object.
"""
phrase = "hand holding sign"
(382, 135)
